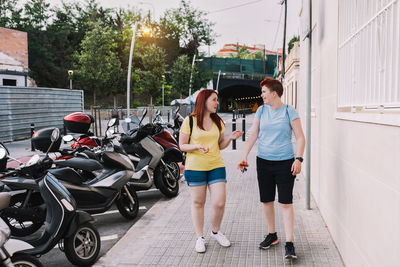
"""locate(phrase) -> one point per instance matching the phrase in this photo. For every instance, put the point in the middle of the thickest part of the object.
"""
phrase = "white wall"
(20, 79)
(355, 177)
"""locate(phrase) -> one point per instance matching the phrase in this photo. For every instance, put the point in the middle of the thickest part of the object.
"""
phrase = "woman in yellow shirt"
(204, 165)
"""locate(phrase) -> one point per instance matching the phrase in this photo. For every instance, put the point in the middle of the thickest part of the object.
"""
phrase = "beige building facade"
(355, 125)
(13, 57)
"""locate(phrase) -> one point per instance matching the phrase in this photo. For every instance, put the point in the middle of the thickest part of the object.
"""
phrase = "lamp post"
(128, 86)
(191, 73)
(163, 80)
(70, 73)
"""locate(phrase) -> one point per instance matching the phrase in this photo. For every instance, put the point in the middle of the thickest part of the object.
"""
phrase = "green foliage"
(292, 41)
(98, 67)
(180, 75)
(188, 25)
(64, 38)
(154, 65)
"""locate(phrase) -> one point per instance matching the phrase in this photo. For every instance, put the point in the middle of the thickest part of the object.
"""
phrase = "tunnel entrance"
(240, 96)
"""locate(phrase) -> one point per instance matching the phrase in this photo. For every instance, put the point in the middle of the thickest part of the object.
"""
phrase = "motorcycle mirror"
(55, 134)
(111, 122)
(68, 138)
(158, 112)
(128, 120)
(3, 152)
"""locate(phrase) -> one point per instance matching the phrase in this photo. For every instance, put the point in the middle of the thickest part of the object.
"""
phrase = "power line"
(232, 7)
(277, 28)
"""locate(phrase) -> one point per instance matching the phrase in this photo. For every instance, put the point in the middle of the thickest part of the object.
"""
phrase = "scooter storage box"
(78, 122)
(41, 140)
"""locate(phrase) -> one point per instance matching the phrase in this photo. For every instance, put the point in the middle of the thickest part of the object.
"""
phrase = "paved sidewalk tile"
(165, 235)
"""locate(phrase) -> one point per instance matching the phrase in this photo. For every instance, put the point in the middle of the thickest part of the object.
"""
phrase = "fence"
(45, 107)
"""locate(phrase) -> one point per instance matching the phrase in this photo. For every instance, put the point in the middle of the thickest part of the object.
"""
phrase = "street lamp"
(70, 73)
(128, 86)
(191, 73)
(163, 80)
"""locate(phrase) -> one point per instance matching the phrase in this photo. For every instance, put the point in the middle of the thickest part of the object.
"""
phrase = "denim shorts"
(197, 178)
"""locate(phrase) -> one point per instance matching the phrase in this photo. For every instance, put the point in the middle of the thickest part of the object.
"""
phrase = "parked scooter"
(81, 240)
(9, 248)
(94, 196)
(155, 154)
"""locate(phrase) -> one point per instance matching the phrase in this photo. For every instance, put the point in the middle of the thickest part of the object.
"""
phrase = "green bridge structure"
(237, 80)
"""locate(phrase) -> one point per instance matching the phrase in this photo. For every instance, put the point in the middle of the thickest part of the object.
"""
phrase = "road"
(111, 226)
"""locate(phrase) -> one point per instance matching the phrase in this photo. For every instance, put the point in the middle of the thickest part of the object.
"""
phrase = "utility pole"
(284, 41)
(308, 104)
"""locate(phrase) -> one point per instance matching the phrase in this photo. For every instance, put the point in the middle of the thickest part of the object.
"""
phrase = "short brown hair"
(273, 85)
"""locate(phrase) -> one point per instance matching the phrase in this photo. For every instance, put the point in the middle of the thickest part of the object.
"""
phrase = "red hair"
(273, 85)
(200, 106)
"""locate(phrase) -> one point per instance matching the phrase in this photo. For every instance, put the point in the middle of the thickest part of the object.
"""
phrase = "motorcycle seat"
(68, 175)
(81, 164)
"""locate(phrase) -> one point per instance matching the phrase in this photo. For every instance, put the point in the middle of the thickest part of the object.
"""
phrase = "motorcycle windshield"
(133, 125)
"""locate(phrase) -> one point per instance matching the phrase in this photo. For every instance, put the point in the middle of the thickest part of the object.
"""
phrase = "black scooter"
(64, 222)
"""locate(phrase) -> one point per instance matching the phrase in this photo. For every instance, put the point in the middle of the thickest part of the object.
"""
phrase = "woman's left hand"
(235, 135)
(296, 167)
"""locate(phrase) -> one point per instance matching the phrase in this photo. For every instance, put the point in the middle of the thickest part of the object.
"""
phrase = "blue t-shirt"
(275, 133)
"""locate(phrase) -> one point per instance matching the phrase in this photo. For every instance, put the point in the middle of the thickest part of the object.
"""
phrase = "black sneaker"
(270, 239)
(289, 251)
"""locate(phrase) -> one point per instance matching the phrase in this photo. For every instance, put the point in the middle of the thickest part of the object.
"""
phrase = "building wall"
(354, 157)
(13, 56)
(15, 44)
(20, 80)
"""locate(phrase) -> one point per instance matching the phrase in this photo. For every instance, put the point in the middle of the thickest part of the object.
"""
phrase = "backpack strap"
(191, 126)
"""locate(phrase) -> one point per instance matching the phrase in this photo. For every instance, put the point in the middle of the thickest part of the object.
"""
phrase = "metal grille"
(45, 107)
(369, 43)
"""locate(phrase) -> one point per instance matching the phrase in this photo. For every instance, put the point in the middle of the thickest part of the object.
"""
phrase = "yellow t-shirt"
(197, 160)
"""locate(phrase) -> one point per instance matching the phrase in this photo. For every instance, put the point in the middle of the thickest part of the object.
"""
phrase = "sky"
(246, 22)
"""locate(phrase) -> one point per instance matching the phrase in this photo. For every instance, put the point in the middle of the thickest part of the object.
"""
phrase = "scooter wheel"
(168, 185)
(83, 246)
(21, 228)
(25, 260)
(128, 209)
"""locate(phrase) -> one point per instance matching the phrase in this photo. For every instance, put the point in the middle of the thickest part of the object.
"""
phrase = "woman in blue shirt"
(277, 164)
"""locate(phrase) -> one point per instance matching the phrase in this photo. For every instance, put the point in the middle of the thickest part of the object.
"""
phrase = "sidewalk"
(164, 236)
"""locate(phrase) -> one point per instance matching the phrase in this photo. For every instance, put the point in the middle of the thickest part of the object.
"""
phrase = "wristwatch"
(299, 159)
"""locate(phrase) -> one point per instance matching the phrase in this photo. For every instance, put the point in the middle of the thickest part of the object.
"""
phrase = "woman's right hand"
(243, 161)
(202, 149)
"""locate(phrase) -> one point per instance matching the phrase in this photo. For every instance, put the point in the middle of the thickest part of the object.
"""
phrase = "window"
(368, 54)
(9, 82)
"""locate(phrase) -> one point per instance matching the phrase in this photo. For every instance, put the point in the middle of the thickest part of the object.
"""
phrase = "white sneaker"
(200, 245)
(221, 238)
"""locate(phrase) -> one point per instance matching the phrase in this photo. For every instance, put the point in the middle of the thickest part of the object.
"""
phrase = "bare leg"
(218, 199)
(269, 213)
(288, 220)
(198, 196)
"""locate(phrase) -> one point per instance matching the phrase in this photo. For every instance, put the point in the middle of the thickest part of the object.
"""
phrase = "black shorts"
(272, 174)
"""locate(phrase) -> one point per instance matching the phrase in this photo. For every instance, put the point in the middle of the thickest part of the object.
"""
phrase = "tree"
(189, 26)
(154, 65)
(10, 15)
(180, 75)
(292, 41)
(98, 67)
